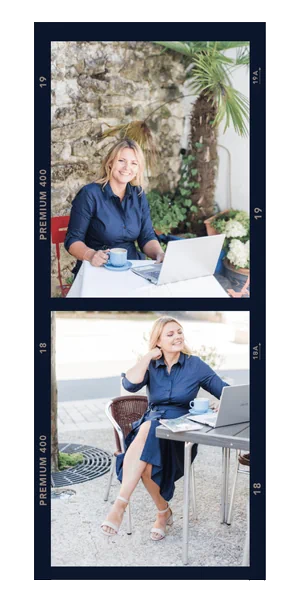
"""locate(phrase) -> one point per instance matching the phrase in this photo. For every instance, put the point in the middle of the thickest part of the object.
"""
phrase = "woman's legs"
(160, 502)
(133, 468)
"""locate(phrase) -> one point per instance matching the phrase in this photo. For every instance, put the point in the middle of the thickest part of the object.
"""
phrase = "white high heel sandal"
(161, 531)
(110, 524)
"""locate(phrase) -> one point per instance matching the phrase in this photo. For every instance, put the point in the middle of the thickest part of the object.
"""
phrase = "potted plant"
(209, 223)
(235, 224)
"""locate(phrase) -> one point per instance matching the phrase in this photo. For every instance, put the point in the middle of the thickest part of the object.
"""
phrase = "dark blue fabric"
(101, 221)
(164, 239)
(169, 396)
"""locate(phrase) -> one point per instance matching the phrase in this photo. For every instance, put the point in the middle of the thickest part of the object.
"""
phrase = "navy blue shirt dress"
(100, 220)
(169, 396)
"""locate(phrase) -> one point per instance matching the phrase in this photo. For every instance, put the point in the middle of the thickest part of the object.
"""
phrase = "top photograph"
(150, 169)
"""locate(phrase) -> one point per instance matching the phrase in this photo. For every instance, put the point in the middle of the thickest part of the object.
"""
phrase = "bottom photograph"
(150, 434)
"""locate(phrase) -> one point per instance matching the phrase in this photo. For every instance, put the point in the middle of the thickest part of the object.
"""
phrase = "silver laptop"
(185, 259)
(234, 408)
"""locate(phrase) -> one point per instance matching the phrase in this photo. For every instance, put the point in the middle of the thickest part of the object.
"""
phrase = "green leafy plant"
(183, 193)
(173, 212)
(65, 461)
(165, 212)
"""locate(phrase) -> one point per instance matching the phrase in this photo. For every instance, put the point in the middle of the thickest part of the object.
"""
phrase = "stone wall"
(96, 84)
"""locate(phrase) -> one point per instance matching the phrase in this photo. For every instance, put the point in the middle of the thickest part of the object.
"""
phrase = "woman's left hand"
(160, 257)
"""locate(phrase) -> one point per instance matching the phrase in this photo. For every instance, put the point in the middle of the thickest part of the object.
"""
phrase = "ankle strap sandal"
(162, 532)
(110, 524)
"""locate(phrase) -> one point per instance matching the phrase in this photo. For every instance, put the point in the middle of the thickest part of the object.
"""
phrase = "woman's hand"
(160, 257)
(100, 258)
(155, 354)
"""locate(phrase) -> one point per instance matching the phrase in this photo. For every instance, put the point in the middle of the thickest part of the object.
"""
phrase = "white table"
(98, 282)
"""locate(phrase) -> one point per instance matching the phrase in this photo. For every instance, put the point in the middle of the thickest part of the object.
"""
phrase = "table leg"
(227, 483)
(225, 478)
(186, 499)
(222, 487)
(234, 485)
(193, 485)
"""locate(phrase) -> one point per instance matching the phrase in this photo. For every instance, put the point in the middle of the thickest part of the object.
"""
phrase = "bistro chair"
(122, 412)
(59, 226)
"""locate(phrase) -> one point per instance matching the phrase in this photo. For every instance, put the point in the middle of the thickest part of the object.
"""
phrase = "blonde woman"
(113, 212)
(173, 377)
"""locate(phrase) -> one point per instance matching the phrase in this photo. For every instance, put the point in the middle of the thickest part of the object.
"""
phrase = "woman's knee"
(147, 472)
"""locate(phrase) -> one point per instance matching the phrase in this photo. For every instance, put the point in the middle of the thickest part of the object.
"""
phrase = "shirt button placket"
(170, 384)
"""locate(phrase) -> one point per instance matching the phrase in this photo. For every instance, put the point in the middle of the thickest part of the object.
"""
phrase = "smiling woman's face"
(172, 338)
(125, 167)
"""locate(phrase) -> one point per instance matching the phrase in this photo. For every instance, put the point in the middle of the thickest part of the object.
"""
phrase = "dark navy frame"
(149, 29)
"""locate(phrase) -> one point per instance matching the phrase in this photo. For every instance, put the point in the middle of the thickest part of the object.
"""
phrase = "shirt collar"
(160, 361)
(108, 190)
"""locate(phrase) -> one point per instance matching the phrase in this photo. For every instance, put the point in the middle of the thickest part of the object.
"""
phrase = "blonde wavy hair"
(156, 332)
(106, 165)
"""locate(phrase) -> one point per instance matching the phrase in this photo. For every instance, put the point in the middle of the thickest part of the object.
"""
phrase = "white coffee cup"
(200, 405)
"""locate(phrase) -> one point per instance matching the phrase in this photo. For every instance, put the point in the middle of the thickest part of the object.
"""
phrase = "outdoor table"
(98, 282)
(229, 437)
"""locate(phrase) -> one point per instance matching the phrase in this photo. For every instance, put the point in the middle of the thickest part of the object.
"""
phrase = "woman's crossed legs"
(133, 470)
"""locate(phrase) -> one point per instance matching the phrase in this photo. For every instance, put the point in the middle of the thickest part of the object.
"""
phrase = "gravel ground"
(78, 541)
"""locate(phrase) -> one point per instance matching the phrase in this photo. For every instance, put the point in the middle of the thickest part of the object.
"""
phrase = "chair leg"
(111, 472)
(193, 486)
(233, 489)
(129, 525)
(59, 276)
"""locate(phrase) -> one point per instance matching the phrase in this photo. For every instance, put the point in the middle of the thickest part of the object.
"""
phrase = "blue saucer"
(125, 267)
(192, 411)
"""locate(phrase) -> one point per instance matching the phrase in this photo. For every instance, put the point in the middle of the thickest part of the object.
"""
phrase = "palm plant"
(209, 73)
(208, 70)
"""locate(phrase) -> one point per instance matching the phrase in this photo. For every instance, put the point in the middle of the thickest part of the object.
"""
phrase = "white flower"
(239, 253)
(234, 229)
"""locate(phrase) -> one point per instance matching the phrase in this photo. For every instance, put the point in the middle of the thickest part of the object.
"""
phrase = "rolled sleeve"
(134, 387)
(210, 381)
(83, 207)
(147, 232)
